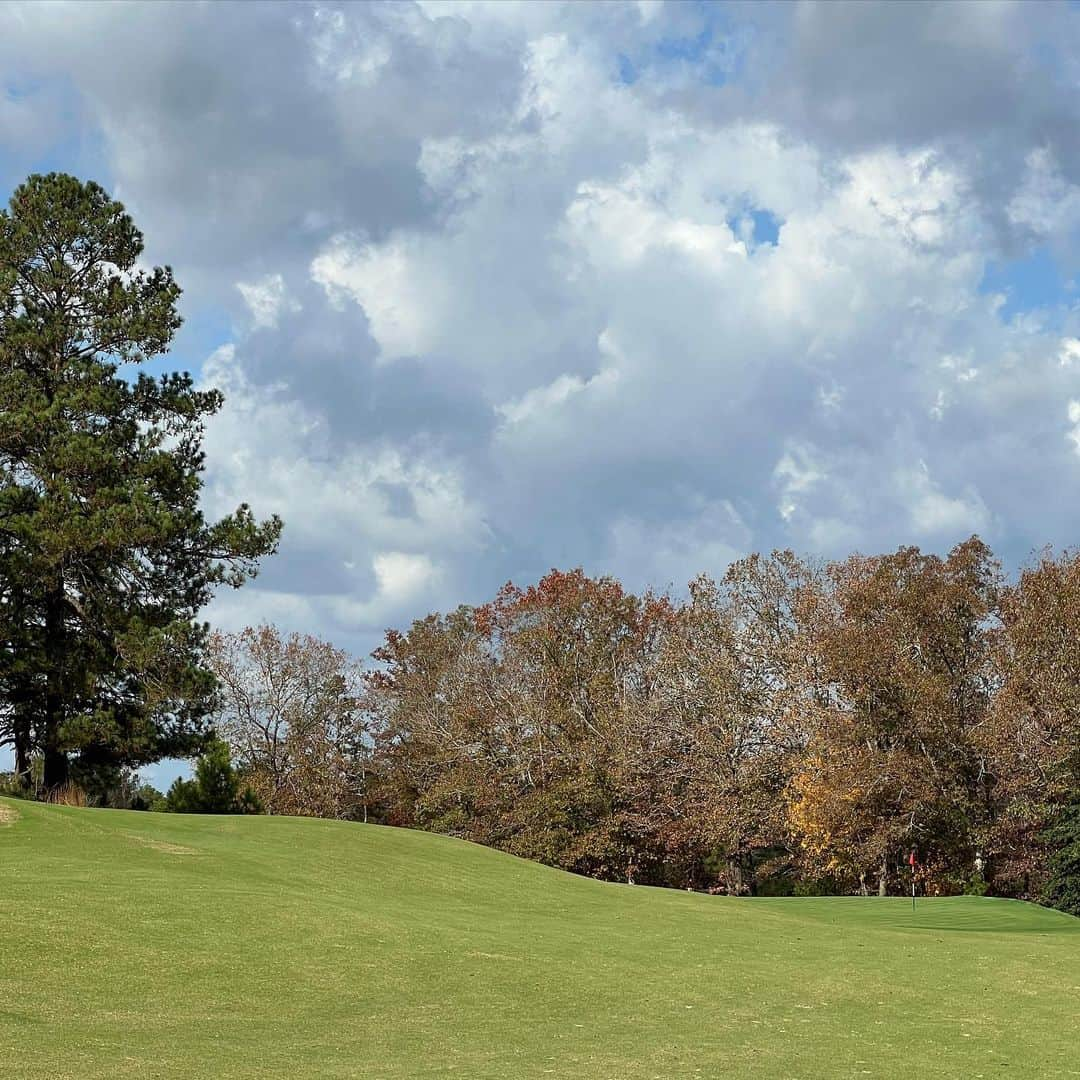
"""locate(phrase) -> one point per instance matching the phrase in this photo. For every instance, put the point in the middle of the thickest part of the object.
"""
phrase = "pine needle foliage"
(105, 555)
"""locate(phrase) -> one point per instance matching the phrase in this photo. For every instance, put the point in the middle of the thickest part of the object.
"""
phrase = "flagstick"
(912, 861)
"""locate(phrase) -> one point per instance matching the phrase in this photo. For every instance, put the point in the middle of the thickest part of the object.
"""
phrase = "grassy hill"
(149, 945)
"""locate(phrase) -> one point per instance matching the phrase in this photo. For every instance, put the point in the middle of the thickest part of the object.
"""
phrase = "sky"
(639, 287)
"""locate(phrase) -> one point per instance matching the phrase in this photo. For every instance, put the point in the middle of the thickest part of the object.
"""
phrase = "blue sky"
(1032, 282)
(491, 288)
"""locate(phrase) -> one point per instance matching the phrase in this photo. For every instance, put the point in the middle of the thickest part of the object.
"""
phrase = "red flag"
(912, 861)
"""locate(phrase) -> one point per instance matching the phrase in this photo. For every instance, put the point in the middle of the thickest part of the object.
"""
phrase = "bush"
(147, 797)
(976, 885)
(818, 887)
(12, 788)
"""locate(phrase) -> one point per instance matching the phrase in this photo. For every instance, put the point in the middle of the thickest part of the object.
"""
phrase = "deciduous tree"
(1033, 733)
(715, 740)
(899, 683)
(290, 710)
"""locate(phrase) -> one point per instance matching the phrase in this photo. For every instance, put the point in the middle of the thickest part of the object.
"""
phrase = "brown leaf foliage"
(791, 722)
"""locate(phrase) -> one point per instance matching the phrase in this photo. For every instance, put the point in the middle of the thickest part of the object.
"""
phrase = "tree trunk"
(883, 876)
(734, 876)
(22, 762)
(56, 768)
(56, 771)
(20, 729)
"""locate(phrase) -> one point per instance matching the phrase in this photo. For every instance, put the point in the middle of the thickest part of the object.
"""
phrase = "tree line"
(791, 727)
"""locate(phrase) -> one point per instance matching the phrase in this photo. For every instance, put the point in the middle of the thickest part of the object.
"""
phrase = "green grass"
(150, 945)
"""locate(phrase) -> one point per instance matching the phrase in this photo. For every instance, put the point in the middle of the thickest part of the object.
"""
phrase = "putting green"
(162, 946)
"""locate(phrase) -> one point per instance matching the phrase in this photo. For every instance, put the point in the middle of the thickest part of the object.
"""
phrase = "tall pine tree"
(105, 555)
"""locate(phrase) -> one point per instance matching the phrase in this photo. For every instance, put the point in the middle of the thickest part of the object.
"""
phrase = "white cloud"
(365, 529)
(266, 299)
(1070, 352)
(700, 537)
(933, 514)
(1046, 202)
(403, 576)
(399, 304)
(797, 473)
(544, 398)
(1074, 419)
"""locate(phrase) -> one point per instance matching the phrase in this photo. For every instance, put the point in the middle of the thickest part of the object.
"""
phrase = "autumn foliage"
(289, 711)
(790, 727)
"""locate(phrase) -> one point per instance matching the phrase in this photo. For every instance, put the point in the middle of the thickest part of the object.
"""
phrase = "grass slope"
(149, 945)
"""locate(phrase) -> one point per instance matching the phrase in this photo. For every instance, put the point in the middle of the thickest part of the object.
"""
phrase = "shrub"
(12, 788)
(147, 797)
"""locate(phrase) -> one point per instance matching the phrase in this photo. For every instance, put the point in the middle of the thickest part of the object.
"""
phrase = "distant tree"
(898, 683)
(290, 711)
(113, 787)
(1032, 736)
(430, 703)
(571, 657)
(116, 788)
(510, 724)
(105, 556)
(723, 756)
(1062, 840)
(215, 789)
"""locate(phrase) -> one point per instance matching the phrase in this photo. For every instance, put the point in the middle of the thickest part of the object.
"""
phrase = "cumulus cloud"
(369, 530)
(637, 286)
(266, 299)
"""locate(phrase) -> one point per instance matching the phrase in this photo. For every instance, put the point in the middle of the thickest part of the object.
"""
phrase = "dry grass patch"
(69, 794)
(165, 846)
